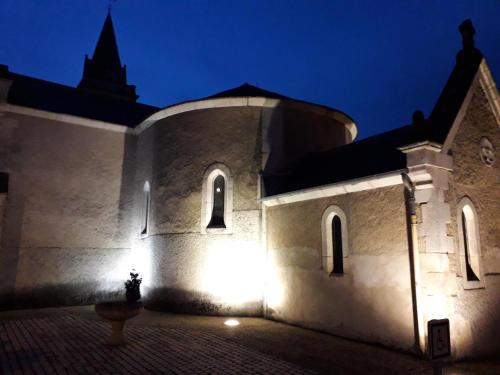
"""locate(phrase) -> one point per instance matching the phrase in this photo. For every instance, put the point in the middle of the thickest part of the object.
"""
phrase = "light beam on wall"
(274, 291)
(141, 260)
(121, 267)
(436, 307)
(232, 271)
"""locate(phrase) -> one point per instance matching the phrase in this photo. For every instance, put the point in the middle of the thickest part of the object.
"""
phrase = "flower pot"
(117, 313)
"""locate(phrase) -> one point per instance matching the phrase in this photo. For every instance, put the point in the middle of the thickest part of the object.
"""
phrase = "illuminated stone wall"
(192, 271)
(475, 313)
(63, 237)
(71, 230)
(372, 301)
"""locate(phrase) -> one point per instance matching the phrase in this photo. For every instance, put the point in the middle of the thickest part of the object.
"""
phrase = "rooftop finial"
(418, 117)
(467, 30)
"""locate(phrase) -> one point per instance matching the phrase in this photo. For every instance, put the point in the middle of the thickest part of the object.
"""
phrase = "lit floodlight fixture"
(232, 323)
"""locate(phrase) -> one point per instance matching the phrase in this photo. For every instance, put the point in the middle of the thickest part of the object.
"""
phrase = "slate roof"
(380, 154)
(453, 94)
(103, 94)
(371, 156)
(246, 90)
(48, 96)
(368, 157)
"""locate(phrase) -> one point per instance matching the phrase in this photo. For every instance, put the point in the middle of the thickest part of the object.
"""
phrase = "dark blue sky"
(377, 61)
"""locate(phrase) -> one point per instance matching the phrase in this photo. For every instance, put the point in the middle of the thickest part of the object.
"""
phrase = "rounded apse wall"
(191, 269)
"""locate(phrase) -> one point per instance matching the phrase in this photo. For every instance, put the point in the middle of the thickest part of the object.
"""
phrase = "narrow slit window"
(338, 266)
(145, 210)
(217, 200)
(217, 218)
(4, 182)
(469, 261)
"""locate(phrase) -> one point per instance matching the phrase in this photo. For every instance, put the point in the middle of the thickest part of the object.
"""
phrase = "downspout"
(414, 254)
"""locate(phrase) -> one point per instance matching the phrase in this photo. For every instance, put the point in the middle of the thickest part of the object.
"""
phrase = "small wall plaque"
(439, 338)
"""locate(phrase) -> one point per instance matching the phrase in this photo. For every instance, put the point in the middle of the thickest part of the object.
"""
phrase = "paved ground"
(71, 341)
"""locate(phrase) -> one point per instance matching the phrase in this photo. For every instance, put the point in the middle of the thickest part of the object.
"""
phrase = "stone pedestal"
(117, 313)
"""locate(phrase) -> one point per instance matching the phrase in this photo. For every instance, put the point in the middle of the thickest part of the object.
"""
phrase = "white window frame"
(474, 244)
(145, 209)
(327, 240)
(214, 170)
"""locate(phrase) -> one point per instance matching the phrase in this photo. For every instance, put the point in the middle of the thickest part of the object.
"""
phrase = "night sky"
(377, 61)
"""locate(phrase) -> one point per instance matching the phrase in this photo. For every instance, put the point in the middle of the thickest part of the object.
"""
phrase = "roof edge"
(245, 101)
(65, 118)
(338, 188)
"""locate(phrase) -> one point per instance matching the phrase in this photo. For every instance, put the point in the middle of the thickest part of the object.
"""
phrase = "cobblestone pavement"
(72, 341)
(70, 345)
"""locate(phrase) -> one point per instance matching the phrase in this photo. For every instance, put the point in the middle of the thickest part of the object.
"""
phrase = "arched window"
(335, 241)
(470, 247)
(338, 261)
(217, 200)
(217, 219)
(145, 210)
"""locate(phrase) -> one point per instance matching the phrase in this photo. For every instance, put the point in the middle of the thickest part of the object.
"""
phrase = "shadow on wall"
(126, 203)
(292, 132)
(193, 302)
(482, 317)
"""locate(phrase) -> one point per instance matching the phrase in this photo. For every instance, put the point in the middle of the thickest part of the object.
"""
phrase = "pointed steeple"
(103, 73)
(106, 51)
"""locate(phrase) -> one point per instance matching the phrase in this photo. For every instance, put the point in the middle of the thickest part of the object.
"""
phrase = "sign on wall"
(439, 338)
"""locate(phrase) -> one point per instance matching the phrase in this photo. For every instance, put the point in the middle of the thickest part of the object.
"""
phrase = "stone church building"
(249, 202)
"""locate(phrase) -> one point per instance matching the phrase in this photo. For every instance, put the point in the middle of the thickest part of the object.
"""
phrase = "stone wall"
(187, 270)
(475, 312)
(63, 238)
(372, 300)
(72, 227)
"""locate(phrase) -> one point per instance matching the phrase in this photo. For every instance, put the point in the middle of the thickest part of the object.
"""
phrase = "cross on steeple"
(110, 3)
(103, 73)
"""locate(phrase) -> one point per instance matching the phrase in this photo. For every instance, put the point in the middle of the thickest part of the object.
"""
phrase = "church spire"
(106, 51)
(103, 73)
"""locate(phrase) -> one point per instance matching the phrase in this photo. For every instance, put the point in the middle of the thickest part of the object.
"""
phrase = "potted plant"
(117, 312)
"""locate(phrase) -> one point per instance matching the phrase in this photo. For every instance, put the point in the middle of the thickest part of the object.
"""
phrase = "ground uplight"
(232, 323)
